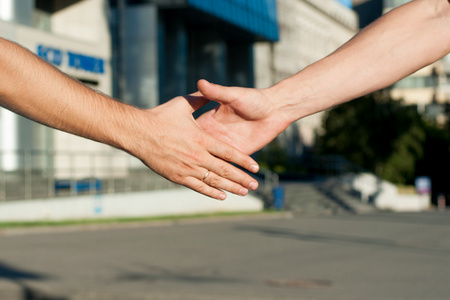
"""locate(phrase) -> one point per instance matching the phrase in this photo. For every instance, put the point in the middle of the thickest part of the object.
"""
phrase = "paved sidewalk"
(375, 256)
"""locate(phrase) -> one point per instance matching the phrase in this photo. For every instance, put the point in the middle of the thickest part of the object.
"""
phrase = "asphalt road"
(379, 256)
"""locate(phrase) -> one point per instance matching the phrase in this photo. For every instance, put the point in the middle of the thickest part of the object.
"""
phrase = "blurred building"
(428, 88)
(144, 52)
(162, 47)
(368, 11)
(73, 36)
(309, 31)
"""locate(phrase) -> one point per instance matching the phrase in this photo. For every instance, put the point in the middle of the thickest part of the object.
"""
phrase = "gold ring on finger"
(206, 175)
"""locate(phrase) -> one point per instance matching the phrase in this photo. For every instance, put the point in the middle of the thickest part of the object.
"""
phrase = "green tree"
(274, 157)
(378, 133)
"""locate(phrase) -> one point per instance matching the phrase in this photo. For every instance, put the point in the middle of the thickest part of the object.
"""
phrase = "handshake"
(195, 153)
(198, 153)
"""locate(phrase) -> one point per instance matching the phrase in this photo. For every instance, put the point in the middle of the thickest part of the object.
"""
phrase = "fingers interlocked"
(213, 174)
(224, 177)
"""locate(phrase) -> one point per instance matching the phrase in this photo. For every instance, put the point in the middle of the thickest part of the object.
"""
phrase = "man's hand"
(166, 138)
(247, 119)
(169, 141)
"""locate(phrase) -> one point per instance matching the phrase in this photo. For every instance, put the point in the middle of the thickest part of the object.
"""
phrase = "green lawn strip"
(100, 221)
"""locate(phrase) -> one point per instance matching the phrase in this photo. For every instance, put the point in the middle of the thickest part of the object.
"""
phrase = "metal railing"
(319, 169)
(36, 174)
(351, 177)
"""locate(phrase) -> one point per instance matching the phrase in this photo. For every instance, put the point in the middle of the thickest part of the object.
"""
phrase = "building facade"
(74, 37)
(162, 48)
(144, 52)
(309, 31)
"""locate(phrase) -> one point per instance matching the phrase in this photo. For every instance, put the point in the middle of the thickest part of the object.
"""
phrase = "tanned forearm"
(165, 138)
(32, 87)
(398, 44)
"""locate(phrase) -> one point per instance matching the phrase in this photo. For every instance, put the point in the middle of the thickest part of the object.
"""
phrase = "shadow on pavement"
(434, 218)
(152, 274)
(345, 239)
(17, 276)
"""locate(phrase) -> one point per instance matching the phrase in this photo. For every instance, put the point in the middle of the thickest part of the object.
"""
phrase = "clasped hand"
(246, 118)
(183, 153)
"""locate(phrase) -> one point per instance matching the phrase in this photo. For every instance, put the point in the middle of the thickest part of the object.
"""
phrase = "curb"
(141, 224)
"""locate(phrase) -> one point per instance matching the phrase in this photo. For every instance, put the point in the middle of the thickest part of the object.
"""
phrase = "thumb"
(218, 93)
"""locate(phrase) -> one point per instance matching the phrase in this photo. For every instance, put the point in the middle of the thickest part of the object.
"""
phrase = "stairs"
(334, 188)
(322, 198)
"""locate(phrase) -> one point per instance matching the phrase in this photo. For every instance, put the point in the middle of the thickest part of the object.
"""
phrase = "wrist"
(121, 127)
(306, 93)
(292, 100)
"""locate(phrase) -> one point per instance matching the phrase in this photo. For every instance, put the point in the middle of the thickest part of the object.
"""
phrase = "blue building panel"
(256, 16)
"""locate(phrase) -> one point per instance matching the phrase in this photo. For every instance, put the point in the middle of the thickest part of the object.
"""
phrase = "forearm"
(165, 138)
(398, 44)
(36, 90)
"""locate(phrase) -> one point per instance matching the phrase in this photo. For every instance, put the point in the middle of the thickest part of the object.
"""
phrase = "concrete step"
(334, 188)
(322, 197)
(307, 198)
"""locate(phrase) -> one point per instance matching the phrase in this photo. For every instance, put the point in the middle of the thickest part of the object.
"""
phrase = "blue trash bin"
(278, 197)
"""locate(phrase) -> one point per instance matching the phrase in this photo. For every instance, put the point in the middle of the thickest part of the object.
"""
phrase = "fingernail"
(243, 191)
(253, 185)
(254, 168)
(222, 197)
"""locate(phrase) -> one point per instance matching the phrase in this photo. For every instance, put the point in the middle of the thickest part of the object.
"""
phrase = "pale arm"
(166, 138)
(398, 44)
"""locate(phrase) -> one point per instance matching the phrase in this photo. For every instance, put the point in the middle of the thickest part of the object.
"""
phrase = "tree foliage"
(274, 157)
(378, 133)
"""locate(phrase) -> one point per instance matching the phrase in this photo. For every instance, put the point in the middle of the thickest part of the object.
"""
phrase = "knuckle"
(228, 154)
(215, 181)
(199, 187)
(225, 171)
(178, 177)
(200, 142)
